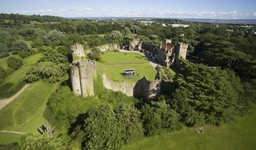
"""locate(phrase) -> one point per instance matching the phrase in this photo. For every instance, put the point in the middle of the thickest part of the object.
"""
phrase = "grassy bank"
(239, 135)
(25, 114)
(16, 79)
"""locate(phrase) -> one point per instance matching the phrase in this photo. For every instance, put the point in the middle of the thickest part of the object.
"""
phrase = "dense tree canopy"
(100, 130)
(52, 66)
(20, 45)
(3, 51)
(207, 95)
(54, 37)
(14, 63)
(37, 141)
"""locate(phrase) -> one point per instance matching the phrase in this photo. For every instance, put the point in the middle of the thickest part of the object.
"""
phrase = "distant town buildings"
(147, 22)
(180, 25)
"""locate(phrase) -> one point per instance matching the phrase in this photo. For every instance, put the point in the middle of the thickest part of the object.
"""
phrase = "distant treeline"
(18, 18)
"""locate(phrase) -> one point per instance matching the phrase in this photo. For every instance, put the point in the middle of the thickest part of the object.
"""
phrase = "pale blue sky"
(226, 9)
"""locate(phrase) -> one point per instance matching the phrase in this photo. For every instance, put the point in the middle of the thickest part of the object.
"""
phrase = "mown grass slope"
(25, 113)
(16, 79)
(113, 65)
(239, 135)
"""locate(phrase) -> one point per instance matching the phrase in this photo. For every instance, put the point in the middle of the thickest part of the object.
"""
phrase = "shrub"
(14, 63)
(8, 89)
(23, 54)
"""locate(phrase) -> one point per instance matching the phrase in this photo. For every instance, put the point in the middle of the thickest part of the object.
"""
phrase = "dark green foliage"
(151, 120)
(14, 63)
(46, 70)
(12, 146)
(63, 50)
(206, 95)
(41, 142)
(96, 54)
(116, 35)
(3, 51)
(129, 123)
(63, 101)
(19, 45)
(249, 90)
(23, 54)
(54, 57)
(99, 130)
(54, 37)
(9, 89)
(8, 41)
(72, 39)
(37, 43)
(3, 36)
(52, 66)
(159, 117)
(2, 74)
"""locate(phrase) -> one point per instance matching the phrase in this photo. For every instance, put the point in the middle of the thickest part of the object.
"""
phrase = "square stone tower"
(77, 52)
(82, 72)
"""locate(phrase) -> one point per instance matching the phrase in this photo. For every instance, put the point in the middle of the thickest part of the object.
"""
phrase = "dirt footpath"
(6, 101)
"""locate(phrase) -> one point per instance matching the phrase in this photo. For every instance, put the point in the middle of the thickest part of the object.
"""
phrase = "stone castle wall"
(143, 89)
(77, 51)
(82, 74)
(124, 87)
(182, 50)
(109, 47)
(75, 79)
(134, 43)
(147, 90)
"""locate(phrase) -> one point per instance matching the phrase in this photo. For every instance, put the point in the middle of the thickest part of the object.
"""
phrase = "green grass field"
(25, 113)
(239, 135)
(18, 76)
(113, 65)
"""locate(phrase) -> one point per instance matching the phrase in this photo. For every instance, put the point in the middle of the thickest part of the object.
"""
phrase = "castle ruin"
(166, 53)
(82, 72)
(136, 44)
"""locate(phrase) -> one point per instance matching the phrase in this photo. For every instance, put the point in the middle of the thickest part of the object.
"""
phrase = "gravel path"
(14, 132)
(6, 101)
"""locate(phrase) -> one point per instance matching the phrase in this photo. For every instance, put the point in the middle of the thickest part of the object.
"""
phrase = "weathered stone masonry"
(82, 72)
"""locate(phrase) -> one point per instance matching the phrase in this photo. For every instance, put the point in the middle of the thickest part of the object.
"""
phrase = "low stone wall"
(109, 47)
(124, 87)
(143, 89)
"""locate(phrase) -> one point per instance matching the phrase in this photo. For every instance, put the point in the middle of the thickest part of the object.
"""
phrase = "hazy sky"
(232, 9)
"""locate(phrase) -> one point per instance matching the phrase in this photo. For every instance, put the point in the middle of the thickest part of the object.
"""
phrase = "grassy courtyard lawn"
(238, 135)
(25, 113)
(113, 65)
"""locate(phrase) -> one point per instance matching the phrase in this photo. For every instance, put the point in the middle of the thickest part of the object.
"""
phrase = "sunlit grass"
(25, 113)
(238, 135)
(113, 65)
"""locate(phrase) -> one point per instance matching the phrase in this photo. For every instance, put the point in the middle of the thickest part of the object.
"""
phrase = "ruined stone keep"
(166, 53)
(82, 72)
